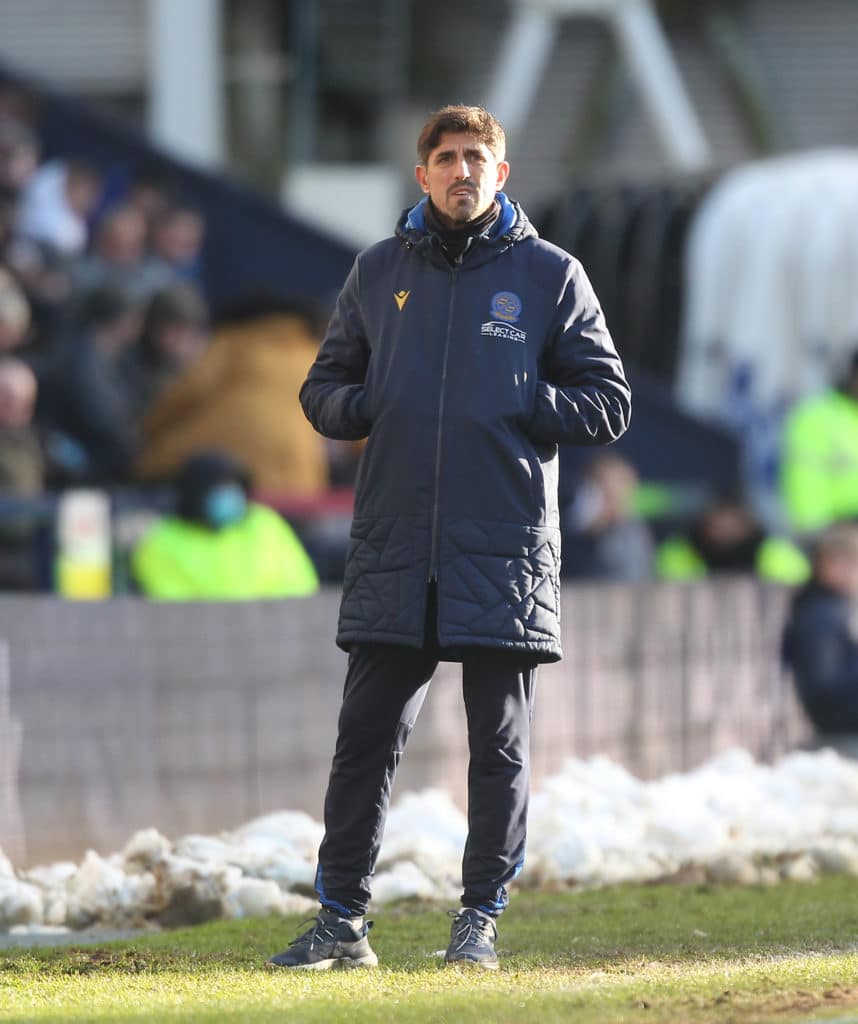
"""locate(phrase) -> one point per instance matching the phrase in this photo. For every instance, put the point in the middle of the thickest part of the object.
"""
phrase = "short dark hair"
(178, 305)
(174, 210)
(839, 539)
(459, 117)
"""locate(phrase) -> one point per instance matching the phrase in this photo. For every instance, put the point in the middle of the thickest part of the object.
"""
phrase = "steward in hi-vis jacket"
(465, 349)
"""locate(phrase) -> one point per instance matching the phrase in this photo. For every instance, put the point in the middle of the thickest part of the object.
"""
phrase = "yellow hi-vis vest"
(819, 462)
(778, 560)
(259, 556)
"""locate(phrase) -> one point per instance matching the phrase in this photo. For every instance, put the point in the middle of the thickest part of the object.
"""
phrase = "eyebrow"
(471, 152)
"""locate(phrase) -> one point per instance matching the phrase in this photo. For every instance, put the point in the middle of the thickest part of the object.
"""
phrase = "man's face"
(82, 193)
(179, 237)
(838, 570)
(17, 397)
(181, 343)
(122, 239)
(461, 176)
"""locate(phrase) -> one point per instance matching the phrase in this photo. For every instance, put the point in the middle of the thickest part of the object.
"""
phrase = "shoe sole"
(483, 965)
(337, 963)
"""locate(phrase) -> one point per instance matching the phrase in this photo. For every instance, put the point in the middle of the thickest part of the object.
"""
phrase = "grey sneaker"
(332, 941)
(472, 939)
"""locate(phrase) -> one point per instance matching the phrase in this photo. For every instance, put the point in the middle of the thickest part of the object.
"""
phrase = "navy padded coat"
(465, 379)
(820, 647)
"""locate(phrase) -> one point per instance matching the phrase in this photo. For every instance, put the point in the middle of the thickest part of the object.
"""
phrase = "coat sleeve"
(582, 396)
(332, 394)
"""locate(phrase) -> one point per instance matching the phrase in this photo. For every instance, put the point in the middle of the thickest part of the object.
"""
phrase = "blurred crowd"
(114, 372)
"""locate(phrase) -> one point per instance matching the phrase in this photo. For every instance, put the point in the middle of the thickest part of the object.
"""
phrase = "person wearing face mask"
(219, 544)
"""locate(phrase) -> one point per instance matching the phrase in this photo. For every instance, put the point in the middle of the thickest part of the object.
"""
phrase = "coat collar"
(512, 226)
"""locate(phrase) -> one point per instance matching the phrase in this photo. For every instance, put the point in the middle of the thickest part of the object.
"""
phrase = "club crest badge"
(505, 309)
(505, 306)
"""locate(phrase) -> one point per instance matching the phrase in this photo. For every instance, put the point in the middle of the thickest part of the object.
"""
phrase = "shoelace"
(318, 930)
(474, 925)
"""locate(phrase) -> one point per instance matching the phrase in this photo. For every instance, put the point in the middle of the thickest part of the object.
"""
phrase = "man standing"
(820, 640)
(465, 349)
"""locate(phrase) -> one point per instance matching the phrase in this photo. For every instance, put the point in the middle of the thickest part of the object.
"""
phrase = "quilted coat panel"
(500, 585)
(384, 591)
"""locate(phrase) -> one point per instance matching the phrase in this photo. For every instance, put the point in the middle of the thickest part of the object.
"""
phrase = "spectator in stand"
(819, 457)
(14, 314)
(19, 155)
(85, 403)
(175, 331)
(8, 213)
(18, 104)
(820, 644)
(727, 539)
(119, 257)
(21, 473)
(56, 204)
(219, 544)
(177, 240)
(51, 232)
(241, 396)
(21, 459)
(602, 537)
(149, 192)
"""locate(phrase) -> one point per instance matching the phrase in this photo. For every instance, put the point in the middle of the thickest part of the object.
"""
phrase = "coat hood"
(512, 226)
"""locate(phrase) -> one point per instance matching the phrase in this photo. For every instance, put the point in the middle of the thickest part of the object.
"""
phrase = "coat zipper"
(433, 555)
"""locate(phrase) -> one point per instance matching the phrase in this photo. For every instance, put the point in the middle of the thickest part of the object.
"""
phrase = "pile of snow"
(731, 820)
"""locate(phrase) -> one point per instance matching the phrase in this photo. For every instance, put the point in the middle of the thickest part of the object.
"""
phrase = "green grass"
(640, 953)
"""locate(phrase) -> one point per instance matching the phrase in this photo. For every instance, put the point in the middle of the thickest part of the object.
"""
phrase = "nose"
(463, 170)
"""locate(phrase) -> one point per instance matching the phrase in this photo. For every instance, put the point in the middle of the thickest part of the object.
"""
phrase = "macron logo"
(400, 298)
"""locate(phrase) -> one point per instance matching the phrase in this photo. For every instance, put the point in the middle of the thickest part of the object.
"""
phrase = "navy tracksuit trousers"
(384, 691)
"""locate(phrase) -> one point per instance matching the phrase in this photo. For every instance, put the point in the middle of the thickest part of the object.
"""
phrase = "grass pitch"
(677, 954)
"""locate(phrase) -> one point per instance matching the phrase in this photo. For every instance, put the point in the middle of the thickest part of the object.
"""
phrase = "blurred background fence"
(197, 717)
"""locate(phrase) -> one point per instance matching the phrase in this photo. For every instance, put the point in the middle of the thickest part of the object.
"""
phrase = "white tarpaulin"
(771, 310)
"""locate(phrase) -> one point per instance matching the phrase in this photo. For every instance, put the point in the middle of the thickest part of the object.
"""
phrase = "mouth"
(460, 193)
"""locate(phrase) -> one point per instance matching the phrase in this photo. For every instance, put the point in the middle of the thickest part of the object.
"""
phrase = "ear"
(503, 174)
(422, 176)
